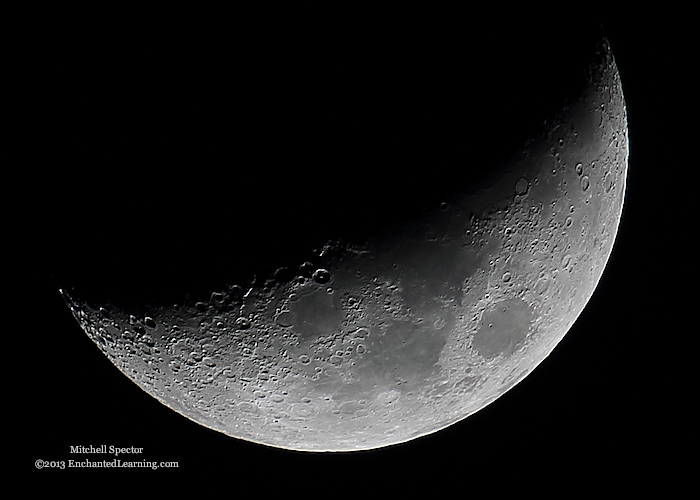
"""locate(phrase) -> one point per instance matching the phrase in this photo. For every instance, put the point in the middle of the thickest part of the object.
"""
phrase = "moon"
(396, 330)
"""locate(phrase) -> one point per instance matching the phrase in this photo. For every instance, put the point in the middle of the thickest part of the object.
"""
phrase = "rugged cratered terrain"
(386, 336)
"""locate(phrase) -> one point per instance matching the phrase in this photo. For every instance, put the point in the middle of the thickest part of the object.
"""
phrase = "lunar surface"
(381, 339)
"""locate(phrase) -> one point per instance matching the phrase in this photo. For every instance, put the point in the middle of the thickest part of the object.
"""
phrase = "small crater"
(585, 182)
(285, 318)
(521, 186)
(235, 293)
(566, 261)
(388, 397)
(246, 407)
(304, 409)
(321, 276)
(350, 407)
(242, 323)
(217, 299)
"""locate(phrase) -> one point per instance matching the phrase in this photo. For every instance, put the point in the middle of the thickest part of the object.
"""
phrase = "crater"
(503, 328)
(315, 314)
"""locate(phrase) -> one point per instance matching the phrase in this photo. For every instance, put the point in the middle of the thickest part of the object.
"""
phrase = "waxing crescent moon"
(386, 335)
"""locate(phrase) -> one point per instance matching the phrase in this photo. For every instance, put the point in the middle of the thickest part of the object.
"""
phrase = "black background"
(592, 410)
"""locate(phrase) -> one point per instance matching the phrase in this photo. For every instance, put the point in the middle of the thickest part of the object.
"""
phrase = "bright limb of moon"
(404, 333)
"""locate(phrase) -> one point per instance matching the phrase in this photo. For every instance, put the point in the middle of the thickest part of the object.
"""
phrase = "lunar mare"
(404, 333)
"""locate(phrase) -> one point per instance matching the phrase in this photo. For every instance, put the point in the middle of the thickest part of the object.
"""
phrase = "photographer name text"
(104, 450)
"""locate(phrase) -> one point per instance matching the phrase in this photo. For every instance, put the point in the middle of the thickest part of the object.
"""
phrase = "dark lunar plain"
(154, 172)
